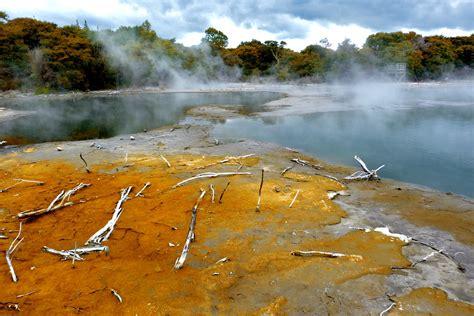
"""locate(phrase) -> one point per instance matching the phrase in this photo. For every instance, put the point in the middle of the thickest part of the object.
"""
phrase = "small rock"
(59, 148)
(132, 137)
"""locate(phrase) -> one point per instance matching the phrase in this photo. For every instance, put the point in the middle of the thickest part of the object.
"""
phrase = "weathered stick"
(365, 174)
(260, 193)
(286, 170)
(26, 294)
(223, 191)
(294, 199)
(333, 194)
(225, 160)
(180, 261)
(213, 192)
(166, 161)
(143, 189)
(20, 182)
(387, 309)
(459, 266)
(323, 254)
(305, 163)
(8, 254)
(75, 254)
(117, 295)
(61, 197)
(210, 175)
(85, 163)
(105, 232)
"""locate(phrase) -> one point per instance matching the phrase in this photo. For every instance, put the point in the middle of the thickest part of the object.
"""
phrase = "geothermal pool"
(429, 145)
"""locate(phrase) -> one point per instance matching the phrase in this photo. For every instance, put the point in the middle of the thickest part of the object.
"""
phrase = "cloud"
(299, 23)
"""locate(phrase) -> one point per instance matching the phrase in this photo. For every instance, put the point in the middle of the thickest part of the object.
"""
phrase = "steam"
(169, 65)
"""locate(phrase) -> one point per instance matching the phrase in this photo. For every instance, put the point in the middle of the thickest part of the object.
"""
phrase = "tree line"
(41, 56)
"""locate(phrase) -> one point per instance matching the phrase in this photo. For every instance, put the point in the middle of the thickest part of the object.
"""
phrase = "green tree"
(216, 39)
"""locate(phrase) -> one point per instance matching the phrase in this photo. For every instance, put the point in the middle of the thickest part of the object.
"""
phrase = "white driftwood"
(286, 170)
(305, 163)
(105, 232)
(20, 181)
(213, 192)
(117, 295)
(66, 254)
(294, 199)
(143, 189)
(323, 254)
(190, 237)
(365, 173)
(166, 161)
(225, 160)
(62, 197)
(211, 175)
(387, 309)
(8, 254)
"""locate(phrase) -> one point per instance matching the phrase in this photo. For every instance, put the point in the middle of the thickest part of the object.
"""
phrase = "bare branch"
(180, 261)
(294, 199)
(143, 189)
(365, 174)
(8, 254)
(210, 175)
(260, 192)
(166, 161)
(20, 181)
(323, 254)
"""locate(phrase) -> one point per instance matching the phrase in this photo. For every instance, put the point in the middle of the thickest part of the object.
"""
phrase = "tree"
(216, 39)
(3, 17)
(276, 49)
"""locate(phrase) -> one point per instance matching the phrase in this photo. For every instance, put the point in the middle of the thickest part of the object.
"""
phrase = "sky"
(298, 23)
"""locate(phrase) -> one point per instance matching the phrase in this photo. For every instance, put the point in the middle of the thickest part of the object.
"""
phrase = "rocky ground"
(240, 261)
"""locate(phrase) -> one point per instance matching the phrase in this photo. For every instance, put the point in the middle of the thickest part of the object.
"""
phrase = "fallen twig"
(387, 309)
(19, 182)
(143, 189)
(190, 237)
(286, 170)
(260, 192)
(306, 163)
(223, 191)
(85, 163)
(8, 254)
(323, 254)
(365, 174)
(117, 295)
(26, 294)
(225, 160)
(213, 192)
(105, 232)
(210, 175)
(294, 199)
(459, 266)
(61, 197)
(165, 160)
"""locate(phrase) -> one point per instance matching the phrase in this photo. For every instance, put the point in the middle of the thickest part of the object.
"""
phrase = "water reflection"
(106, 116)
(429, 146)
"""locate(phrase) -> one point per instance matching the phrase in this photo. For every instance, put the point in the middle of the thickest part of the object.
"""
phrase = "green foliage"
(42, 57)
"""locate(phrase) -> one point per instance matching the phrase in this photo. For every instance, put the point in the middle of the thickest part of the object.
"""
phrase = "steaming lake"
(430, 145)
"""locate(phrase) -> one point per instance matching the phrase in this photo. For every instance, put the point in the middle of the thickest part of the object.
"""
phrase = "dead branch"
(143, 189)
(75, 254)
(260, 192)
(225, 160)
(365, 173)
(286, 170)
(85, 163)
(387, 309)
(210, 175)
(105, 232)
(166, 161)
(294, 199)
(322, 254)
(20, 181)
(62, 197)
(180, 261)
(459, 266)
(223, 191)
(213, 192)
(117, 295)
(26, 294)
(8, 254)
(305, 163)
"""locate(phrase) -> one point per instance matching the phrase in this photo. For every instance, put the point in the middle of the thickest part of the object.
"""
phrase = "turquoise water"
(432, 146)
